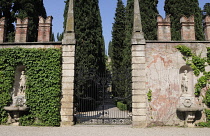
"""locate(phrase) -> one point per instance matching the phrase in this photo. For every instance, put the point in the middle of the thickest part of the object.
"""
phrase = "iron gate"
(97, 103)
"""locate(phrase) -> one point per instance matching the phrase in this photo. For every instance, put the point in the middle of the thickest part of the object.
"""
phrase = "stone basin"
(12, 108)
(184, 109)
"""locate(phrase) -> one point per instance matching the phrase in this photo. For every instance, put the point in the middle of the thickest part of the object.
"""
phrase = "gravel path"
(102, 131)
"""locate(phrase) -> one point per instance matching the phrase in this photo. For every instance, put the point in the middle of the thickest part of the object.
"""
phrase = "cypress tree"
(118, 37)
(149, 13)
(90, 50)
(31, 9)
(206, 9)
(178, 8)
(6, 10)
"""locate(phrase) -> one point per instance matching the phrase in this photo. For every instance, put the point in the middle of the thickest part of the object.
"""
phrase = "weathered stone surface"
(67, 86)
(68, 73)
(69, 91)
(68, 79)
(188, 28)
(21, 33)
(68, 54)
(139, 118)
(68, 48)
(66, 112)
(138, 60)
(139, 105)
(44, 29)
(164, 28)
(136, 66)
(68, 60)
(67, 104)
(138, 85)
(139, 112)
(138, 53)
(67, 118)
(138, 48)
(139, 91)
(2, 29)
(67, 97)
(139, 99)
(68, 66)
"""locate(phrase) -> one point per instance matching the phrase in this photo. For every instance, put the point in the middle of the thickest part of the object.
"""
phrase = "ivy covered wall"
(43, 93)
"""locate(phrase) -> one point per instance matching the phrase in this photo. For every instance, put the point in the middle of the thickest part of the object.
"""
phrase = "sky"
(55, 8)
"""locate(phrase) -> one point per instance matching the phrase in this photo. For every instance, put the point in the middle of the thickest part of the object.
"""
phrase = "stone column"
(21, 33)
(44, 29)
(68, 55)
(188, 28)
(2, 29)
(164, 28)
(139, 117)
(207, 28)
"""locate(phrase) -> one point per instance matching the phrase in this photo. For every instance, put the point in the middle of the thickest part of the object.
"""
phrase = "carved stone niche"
(18, 105)
(186, 80)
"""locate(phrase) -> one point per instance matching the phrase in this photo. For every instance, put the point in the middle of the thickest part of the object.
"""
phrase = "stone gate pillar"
(139, 117)
(68, 53)
(44, 29)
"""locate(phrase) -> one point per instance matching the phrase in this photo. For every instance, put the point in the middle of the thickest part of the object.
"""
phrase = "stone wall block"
(138, 99)
(67, 86)
(68, 73)
(207, 28)
(68, 54)
(67, 66)
(138, 48)
(45, 29)
(140, 60)
(188, 28)
(68, 60)
(2, 29)
(141, 112)
(21, 33)
(68, 48)
(164, 28)
(138, 53)
(67, 112)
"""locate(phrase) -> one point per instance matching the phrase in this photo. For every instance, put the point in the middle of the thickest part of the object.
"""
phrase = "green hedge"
(121, 106)
(43, 93)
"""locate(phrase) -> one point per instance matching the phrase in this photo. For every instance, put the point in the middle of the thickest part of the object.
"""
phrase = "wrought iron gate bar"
(96, 103)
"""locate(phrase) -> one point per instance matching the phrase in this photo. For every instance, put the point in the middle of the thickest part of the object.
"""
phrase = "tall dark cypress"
(178, 8)
(117, 56)
(149, 13)
(90, 50)
(6, 10)
(31, 9)
(206, 9)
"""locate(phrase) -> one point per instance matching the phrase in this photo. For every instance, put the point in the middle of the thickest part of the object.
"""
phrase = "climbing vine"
(198, 65)
(43, 71)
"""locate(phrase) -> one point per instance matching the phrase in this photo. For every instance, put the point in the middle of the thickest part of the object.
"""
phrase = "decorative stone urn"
(18, 106)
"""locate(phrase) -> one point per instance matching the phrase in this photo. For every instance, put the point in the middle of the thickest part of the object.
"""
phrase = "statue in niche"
(22, 83)
(184, 82)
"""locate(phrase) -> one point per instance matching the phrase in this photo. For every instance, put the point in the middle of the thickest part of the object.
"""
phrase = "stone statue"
(22, 83)
(184, 83)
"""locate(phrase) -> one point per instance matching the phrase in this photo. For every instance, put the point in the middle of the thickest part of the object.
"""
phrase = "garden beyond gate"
(99, 100)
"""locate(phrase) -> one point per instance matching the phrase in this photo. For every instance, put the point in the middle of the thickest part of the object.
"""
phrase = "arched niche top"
(185, 67)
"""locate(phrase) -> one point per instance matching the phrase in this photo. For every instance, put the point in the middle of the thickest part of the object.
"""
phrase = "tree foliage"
(178, 8)
(206, 9)
(10, 9)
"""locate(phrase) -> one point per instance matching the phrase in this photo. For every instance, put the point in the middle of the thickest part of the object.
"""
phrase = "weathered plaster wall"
(163, 63)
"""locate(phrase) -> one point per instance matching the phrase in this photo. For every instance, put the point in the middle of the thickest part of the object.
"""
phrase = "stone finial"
(164, 28)
(69, 35)
(2, 29)
(21, 33)
(138, 35)
(207, 28)
(188, 28)
(45, 29)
